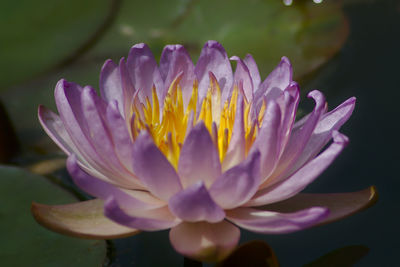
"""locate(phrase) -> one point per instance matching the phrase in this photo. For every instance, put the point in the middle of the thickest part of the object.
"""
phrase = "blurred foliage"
(47, 36)
(308, 34)
(37, 35)
(29, 244)
(9, 145)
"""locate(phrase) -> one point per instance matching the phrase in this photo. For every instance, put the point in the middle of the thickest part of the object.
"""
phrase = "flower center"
(169, 130)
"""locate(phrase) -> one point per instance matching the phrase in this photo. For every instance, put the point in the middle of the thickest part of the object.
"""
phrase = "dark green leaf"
(36, 35)
(25, 242)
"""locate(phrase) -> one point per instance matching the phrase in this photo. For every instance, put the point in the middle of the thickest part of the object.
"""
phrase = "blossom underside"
(169, 129)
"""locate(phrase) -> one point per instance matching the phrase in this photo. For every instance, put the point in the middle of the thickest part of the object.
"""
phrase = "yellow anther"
(156, 107)
(261, 113)
(168, 131)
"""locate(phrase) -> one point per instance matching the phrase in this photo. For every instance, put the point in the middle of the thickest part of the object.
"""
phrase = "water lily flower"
(196, 149)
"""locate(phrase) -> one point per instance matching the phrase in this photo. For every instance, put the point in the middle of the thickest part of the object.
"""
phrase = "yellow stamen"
(168, 131)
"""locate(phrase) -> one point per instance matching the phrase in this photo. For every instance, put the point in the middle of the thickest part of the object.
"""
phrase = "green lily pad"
(36, 35)
(22, 104)
(307, 33)
(25, 242)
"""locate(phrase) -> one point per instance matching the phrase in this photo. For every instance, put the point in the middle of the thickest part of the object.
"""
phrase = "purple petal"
(328, 123)
(205, 241)
(288, 103)
(103, 190)
(110, 83)
(199, 159)
(54, 127)
(237, 185)
(242, 77)
(128, 90)
(68, 100)
(175, 60)
(299, 180)
(195, 204)
(120, 136)
(144, 71)
(93, 110)
(276, 82)
(213, 58)
(153, 169)
(299, 138)
(269, 222)
(268, 139)
(340, 204)
(278, 79)
(237, 146)
(253, 69)
(148, 220)
(83, 219)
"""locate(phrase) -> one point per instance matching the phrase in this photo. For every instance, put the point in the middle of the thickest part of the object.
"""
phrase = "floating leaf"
(22, 104)
(36, 35)
(9, 145)
(26, 243)
(308, 34)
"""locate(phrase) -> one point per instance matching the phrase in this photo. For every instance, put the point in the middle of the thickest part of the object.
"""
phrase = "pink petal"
(205, 241)
(144, 71)
(237, 185)
(253, 69)
(83, 219)
(340, 205)
(199, 159)
(242, 76)
(299, 180)
(153, 169)
(269, 222)
(213, 58)
(148, 220)
(195, 204)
